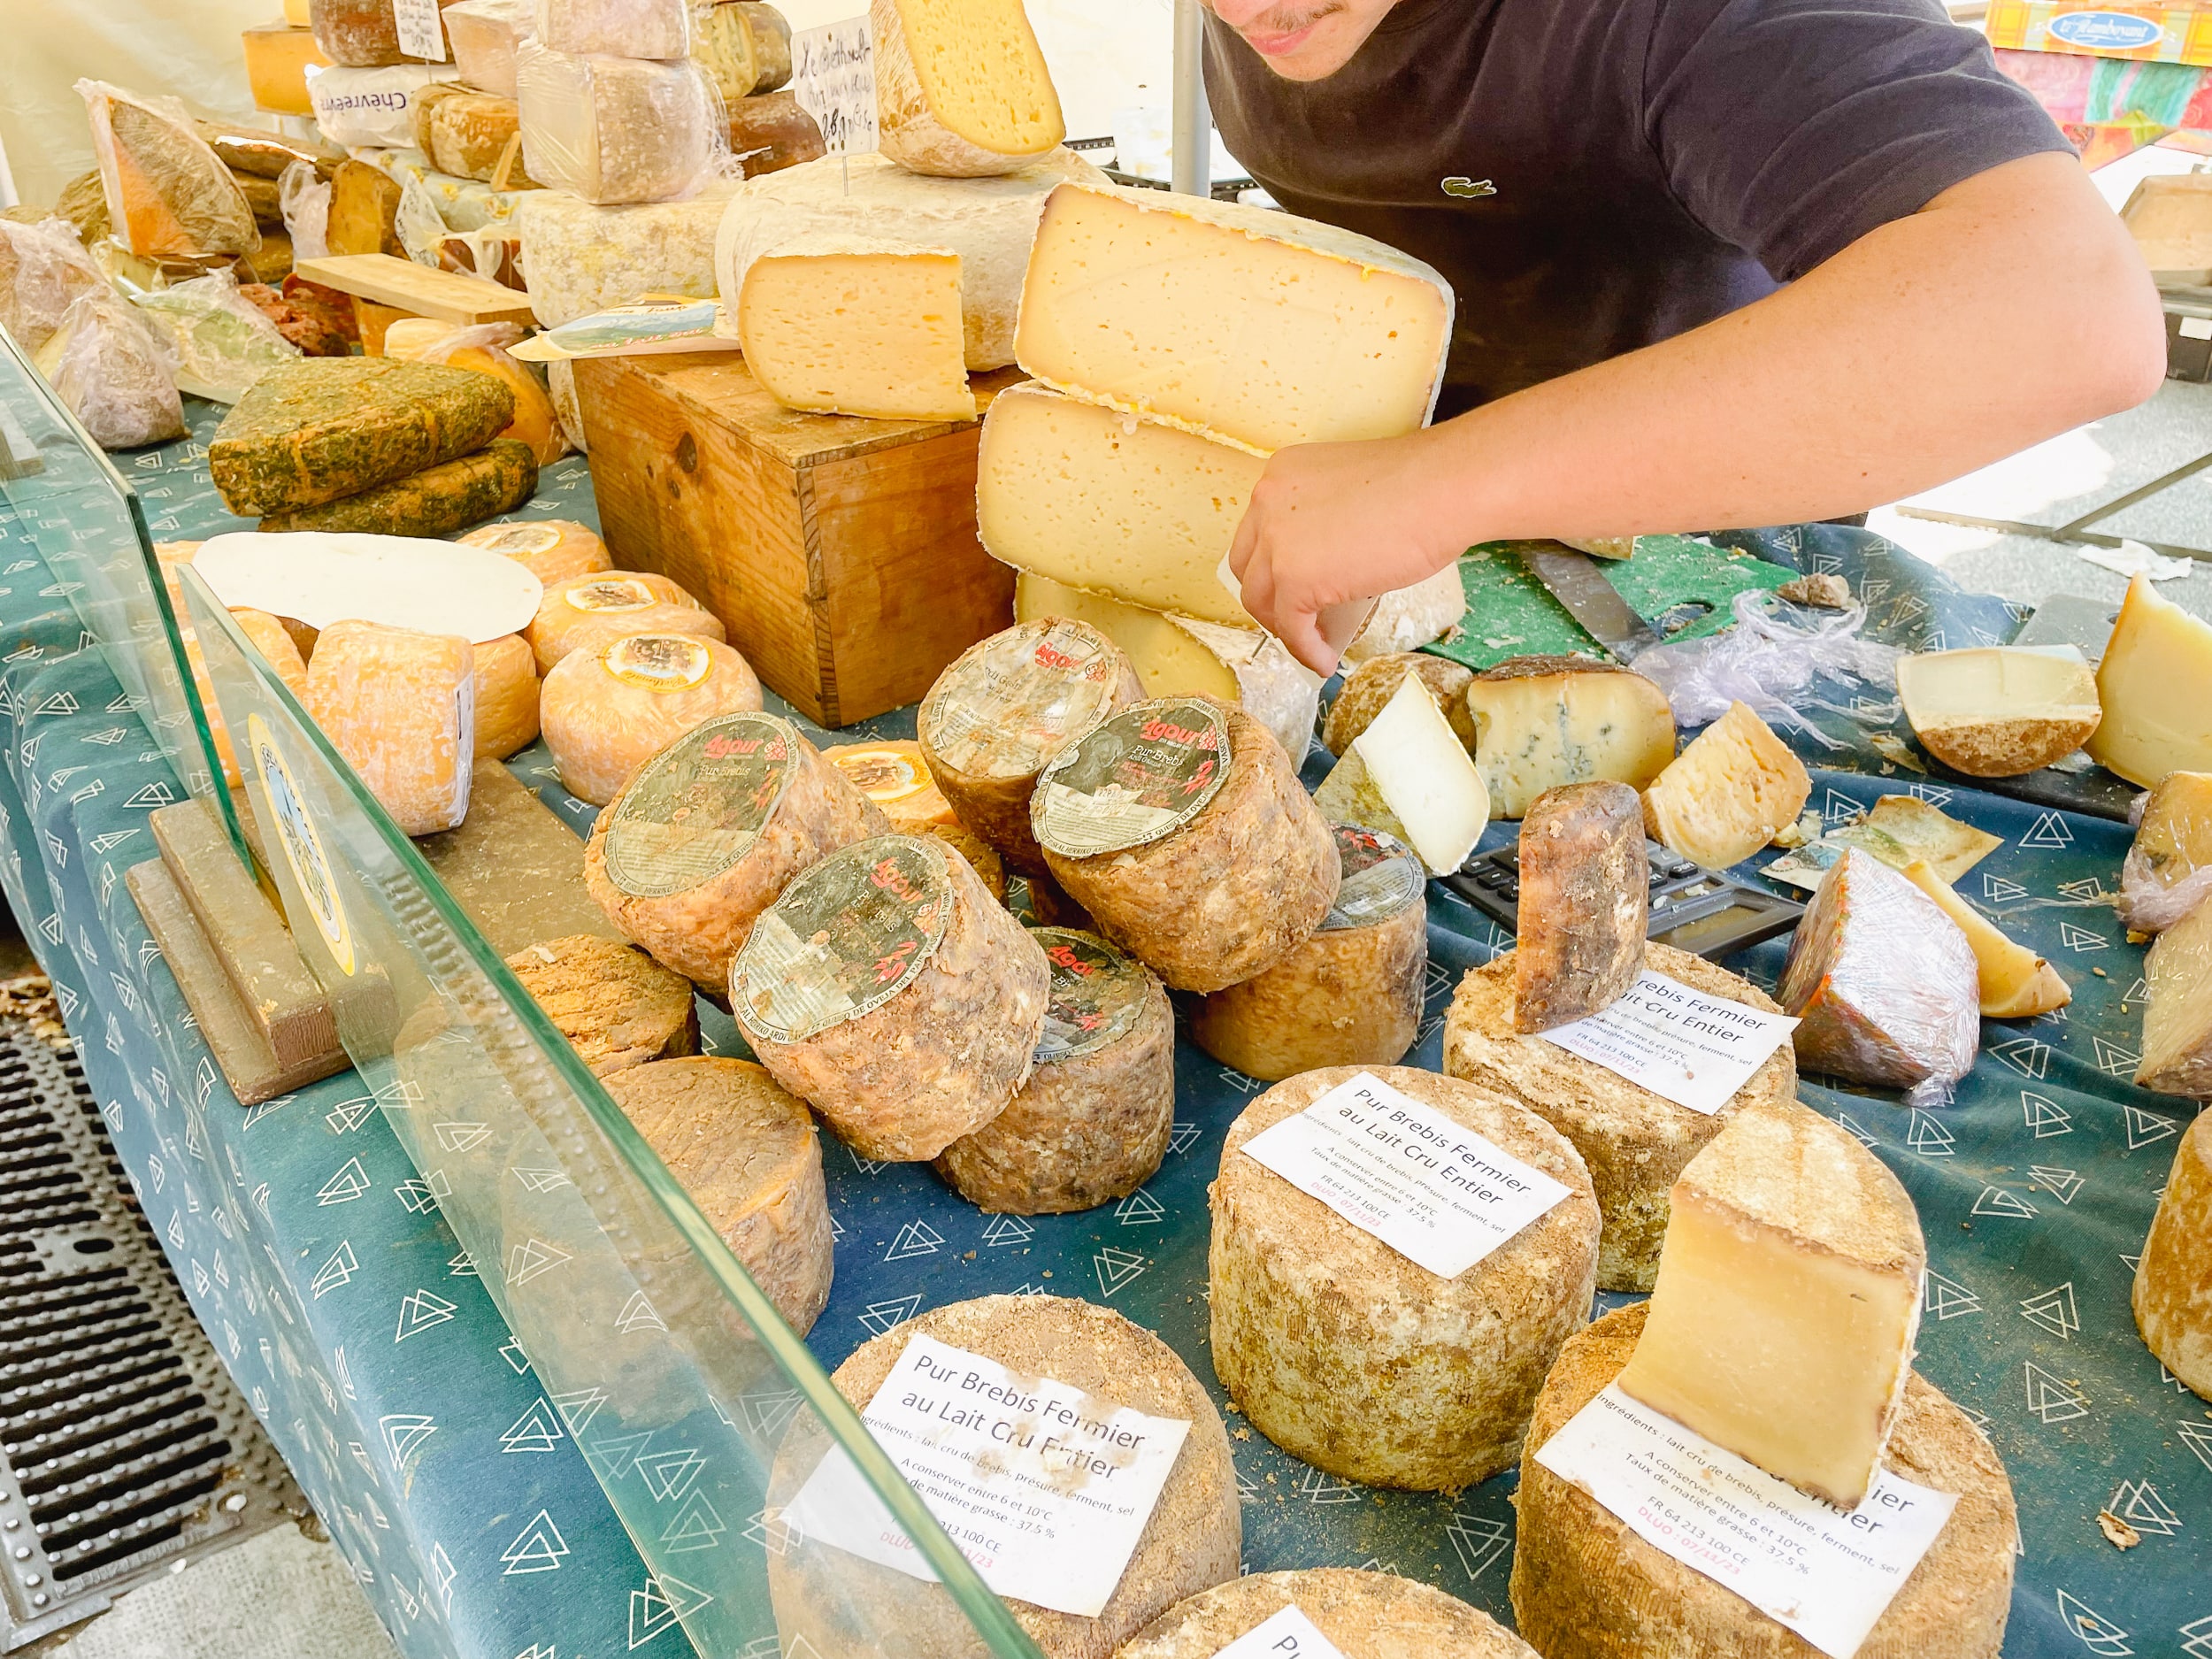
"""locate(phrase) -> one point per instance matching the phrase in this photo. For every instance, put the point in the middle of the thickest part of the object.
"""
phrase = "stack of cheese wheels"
(892, 993)
(746, 1153)
(506, 697)
(1181, 826)
(834, 1601)
(1633, 1141)
(892, 774)
(1349, 996)
(1092, 1122)
(1363, 1615)
(1585, 1586)
(2173, 1280)
(710, 830)
(1361, 1362)
(599, 607)
(616, 1005)
(609, 709)
(1004, 709)
(551, 549)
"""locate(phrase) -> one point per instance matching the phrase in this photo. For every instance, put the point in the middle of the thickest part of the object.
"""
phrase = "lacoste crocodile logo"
(1463, 187)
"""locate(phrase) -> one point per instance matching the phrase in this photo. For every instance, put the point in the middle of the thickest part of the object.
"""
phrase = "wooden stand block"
(513, 867)
(418, 290)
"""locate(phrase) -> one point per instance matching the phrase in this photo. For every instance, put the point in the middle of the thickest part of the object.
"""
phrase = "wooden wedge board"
(514, 868)
(418, 289)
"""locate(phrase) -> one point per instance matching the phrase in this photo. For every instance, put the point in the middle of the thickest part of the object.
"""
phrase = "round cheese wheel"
(1004, 709)
(551, 549)
(1585, 1586)
(2173, 1280)
(506, 697)
(702, 840)
(890, 992)
(275, 642)
(746, 1153)
(893, 774)
(616, 1005)
(833, 1602)
(401, 707)
(1364, 1362)
(1351, 993)
(1375, 681)
(1092, 1122)
(1181, 826)
(1635, 1142)
(596, 610)
(609, 709)
(1365, 1616)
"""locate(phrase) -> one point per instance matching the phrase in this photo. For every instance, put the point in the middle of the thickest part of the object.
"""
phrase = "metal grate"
(123, 1447)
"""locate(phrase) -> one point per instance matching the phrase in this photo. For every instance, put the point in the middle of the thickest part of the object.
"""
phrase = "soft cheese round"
(1364, 1615)
(604, 605)
(609, 709)
(551, 549)
(506, 697)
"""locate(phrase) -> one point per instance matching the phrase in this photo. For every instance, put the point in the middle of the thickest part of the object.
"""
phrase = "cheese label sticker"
(1684, 1046)
(1011, 704)
(610, 593)
(885, 776)
(658, 662)
(515, 541)
(846, 937)
(1044, 1488)
(1381, 878)
(1143, 774)
(696, 807)
(1825, 1572)
(1287, 1633)
(1440, 1195)
(302, 842)
(1098, 995)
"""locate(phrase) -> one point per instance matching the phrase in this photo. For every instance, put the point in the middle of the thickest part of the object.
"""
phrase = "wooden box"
(839, 553)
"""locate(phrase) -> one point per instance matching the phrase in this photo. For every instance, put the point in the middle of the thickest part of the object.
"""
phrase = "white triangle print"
(880, 1317)
(2095, 1631)
(402, 1432)
(1997, 890)
(2146, 1128)
(2061, 1183)
(1117, 1268)
(1995, 1200)
(2054, 1311)
(2113, 1060)
(2048, 830)
(538, 1547)
(1008, 1230)
(1928, 1137)
(2047, 1118)
(915, 1238)
(536, 1430)
(2052, 1398)
(664, 1601)
(2030, 1057)
(1139, 1209)
(2138, 1502)
(1946, 1298)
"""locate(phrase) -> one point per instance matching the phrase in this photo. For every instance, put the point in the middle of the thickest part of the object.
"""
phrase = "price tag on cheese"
(1045, 1488)
(1440, 1195)
(833, 80)
(1286, 1634)
(1684, 1046)
(1825, 1573)
(421, 33)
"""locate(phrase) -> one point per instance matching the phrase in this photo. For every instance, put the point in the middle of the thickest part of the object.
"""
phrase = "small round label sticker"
(1007, 705)
(1146, 772)
(303, 844)
(1381, 878)
(517, 540)
(846, 937)
(1097, 993)
(885, 776)
(697, 807)
(611, 593)
(658, 662)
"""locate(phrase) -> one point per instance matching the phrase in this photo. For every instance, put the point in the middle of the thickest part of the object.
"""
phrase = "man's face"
(1303, 39)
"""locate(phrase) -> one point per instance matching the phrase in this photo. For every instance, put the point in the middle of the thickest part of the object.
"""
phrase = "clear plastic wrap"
(616, 130)
(2177, 1025)
(625, 28)
(464, 203)
(1883, 985)
(371, 107)
(1768, 660)
(104, 364)
(420, 228)
(483, 34)
(218, 343)
(44, 269)
(303, 198)
(169, 196)
(484, 349)
(2167, 872)
(578, 258)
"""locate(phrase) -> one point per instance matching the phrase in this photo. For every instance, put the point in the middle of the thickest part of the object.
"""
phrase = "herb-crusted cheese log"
(616, 1005)
(312, 431)
(1365, 1616)
(496, 479)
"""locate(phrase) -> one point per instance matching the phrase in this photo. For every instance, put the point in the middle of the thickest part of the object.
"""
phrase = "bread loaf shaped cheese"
(1004, 709)
(1585, 904)
(609, 710)
(962, 90)
(746, 1153)
(1091, 1125)
(708, 832)
(1364, 1362)
(2173, 1280)
(1363, 1615)
(506, 697)
(1634, 1142)
(551, 549)
(1350, 995)
(1369, 687)
(616, 1005)
(600, 608)
(1181, 826)
(889, 990)
(838, 1604)
(401, 707)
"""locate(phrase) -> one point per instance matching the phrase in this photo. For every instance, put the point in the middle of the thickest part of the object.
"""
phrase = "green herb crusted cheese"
(325, 427)
(501, 475)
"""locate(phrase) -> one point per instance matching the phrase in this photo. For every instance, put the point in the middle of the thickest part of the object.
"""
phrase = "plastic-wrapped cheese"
(1363, 1615)
(372, 107)
(2173, 1280)
(2177, 1025)
(614, 130)
(616, 1005)
(962, 90)
(1350, 995)
(506, 697)
(709, 831)
(628, 28)
(745, 46)
(357, 33)
(551, 549)
(609, 710)
(401, 707)
(1361, 1362)
(1181, 826)
(2167, 872)
(1633, 1142)
(578, 258)
(1091, 1125)
(596, 609)
(483, 35)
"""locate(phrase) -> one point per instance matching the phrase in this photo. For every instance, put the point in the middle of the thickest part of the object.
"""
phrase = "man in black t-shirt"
(1716, 262)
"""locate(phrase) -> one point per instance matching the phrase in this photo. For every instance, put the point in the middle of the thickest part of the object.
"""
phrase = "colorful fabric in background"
(311, 1249)
(2109, 107)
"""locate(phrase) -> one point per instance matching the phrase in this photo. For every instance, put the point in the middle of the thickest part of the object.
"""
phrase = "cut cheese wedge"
(1997, 713)
(2155, 684)
(2168, 872)
(1408, 776)
(1728, 794)
(2015, 981)
(845, 325)
(1409, 617)
(1544, 721)
(2177, 1025)
(962, 90)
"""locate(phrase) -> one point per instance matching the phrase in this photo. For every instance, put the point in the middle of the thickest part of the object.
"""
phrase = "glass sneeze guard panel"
(697, 1408)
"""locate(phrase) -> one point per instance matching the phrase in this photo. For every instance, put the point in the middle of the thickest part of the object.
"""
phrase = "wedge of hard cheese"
(2167, 872)
(2155, 684)
(962, 90)
(1997, 713)
(2015, 981)
(844, 325)
(1408, 776)
(1728, 794)
(1543, 721)
(2177, 1025)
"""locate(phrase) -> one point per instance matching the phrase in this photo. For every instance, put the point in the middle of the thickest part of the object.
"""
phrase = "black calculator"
(1706, 912)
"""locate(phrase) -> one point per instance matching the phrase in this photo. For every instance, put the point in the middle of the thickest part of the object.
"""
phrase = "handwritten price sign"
(833, 78)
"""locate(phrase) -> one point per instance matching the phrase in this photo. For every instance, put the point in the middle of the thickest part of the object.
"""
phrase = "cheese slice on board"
(962, 90)
(844, 325)
(2155, 684)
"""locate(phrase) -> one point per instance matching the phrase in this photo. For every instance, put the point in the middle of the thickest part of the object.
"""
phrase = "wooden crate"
(839, 553)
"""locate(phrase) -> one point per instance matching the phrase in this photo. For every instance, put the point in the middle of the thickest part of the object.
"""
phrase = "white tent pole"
(1193, 153)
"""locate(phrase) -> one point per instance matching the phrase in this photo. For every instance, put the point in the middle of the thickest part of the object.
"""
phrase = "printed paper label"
(696, 807)
(303, 844)
(833, 80)
(1013, 702)
(1439, 1194)
(658, 662)
(421, 35)
(1045, 1488)
(848, 936)
(1287, 1635)
(1380, 878)
(611, 593)
(1825, 1572)
(1684, 1046)
(1097, 994)
(1141, 775)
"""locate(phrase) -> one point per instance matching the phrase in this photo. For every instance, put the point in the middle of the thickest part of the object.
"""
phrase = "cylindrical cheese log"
(746, 1153)
(2173, 1281)
(506, 697)
(616, 1005)
(1004, 709)
(1092, 1122)
(598, 608)
(401, 707)
(1364, 1614)
(1585, 1586)
(610, 708)
(551, 549)
(1633, 1141)
(839, 1603)
(1349, 996)
(1181, 826)
(887, 989)
(710, 830)
(1364, 1362)
(1373, 683)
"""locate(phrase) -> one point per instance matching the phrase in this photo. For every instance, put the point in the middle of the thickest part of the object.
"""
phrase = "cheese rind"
(2173, 1280)
(1370, 685)
(401, 707)
(632, 28)
(496, 479)
(1408, 775)
(591, 611)
(1542, 721)
(2177, 1024)
(744, 46)
(483, 35)
(608, 710)
(2015, 982)
(844, 325)
(614, 130)
(1585, 904)
(1992, 713)
(1728, 794)
(962, 90)
(551, 549)
(506, 697)
(1409, 617)
(1364, 1614)
(616, 1005)
(578, 258)
(2154, 682)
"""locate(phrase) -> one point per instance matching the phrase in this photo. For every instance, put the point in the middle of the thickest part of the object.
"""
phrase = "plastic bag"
(104, 364)
(169, 195)
(484, 35)
(43, 268)
(374, 107)
(484, 349)
(1767, 660)
(419, 226)
(218, 343)
(303, 198)
(614, 130)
